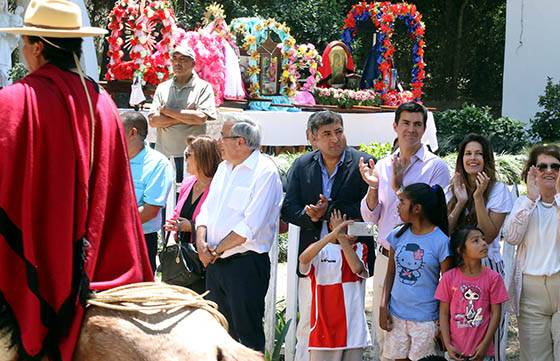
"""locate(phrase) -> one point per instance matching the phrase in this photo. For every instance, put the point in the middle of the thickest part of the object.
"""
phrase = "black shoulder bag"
(180, 264)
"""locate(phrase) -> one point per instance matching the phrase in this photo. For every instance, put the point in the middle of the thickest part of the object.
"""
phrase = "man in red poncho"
(68, 218)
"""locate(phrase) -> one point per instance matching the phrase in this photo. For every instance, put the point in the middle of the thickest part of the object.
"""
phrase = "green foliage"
(546, 124)
(283, 247)
(280, 330)
(508, 166)
(506, 135)
(17, 72)
(284, 161)
(377, 150)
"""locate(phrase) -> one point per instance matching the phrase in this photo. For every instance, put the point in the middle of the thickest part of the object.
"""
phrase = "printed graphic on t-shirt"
(410, 259)
(472, 316)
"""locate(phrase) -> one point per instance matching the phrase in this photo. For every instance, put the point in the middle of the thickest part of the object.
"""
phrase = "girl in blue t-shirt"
(419, 253)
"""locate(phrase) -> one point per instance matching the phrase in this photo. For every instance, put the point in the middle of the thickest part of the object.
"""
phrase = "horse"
(176, 325)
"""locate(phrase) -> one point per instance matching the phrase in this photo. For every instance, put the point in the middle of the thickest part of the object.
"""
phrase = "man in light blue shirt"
(152, 176)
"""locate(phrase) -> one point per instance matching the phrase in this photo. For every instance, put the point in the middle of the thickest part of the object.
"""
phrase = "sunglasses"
(552, 166)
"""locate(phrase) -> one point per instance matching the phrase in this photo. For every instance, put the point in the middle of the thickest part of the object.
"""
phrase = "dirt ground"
(512, 352)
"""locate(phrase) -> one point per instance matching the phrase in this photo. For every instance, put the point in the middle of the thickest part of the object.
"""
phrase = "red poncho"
(48, 203)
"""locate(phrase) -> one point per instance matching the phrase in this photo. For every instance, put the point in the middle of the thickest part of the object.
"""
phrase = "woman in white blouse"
(533, 226)
(476, 198)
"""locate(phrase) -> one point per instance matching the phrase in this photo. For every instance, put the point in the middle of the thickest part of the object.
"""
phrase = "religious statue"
(270, 66)
(337, 67)
(8, 42)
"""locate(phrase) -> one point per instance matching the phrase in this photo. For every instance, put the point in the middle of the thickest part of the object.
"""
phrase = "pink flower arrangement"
(346, 98)
(396, 98)
(210, 61)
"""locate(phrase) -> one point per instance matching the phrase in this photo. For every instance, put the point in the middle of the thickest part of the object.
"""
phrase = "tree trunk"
(457, 58)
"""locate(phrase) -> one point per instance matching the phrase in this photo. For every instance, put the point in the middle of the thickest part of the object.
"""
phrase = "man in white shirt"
(235, 230)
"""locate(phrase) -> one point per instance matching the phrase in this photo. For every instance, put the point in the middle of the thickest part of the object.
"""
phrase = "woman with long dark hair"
(476, 198)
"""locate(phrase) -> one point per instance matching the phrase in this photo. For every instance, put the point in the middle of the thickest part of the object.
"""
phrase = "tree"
(465, 38)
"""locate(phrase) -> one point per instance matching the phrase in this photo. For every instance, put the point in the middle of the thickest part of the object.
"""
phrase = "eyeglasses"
(555, 167)
(229, 136)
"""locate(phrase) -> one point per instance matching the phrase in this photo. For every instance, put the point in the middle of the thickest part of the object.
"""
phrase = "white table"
(288, 128)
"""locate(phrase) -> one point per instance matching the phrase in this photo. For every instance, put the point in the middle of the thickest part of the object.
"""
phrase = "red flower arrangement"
(149, 60)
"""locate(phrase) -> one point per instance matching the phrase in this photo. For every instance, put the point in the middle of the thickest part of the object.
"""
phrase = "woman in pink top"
(202, 156)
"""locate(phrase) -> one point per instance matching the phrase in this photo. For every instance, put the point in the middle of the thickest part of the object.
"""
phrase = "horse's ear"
(237, 352)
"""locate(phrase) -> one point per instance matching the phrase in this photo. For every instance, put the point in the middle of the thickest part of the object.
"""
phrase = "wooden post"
(172, 195)
(508, 250)
(292, 291)
(270, 299)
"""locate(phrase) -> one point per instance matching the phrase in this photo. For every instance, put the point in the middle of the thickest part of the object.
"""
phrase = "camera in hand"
(360, 229)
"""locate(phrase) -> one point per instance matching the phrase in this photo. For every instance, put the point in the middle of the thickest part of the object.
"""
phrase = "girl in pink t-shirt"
(471, 298)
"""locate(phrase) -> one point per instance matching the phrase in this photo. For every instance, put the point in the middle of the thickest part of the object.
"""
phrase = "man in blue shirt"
(152, 176)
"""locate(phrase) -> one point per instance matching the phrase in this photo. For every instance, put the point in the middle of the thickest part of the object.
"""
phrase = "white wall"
(532, 53)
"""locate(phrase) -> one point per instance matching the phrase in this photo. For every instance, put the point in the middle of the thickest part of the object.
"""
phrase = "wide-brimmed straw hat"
(55, 19)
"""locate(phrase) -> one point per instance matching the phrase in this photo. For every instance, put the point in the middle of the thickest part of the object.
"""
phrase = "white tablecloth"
(288, 128)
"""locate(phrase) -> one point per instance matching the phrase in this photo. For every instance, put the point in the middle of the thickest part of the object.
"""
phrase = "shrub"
(376, 150)
(17, 72)
(506, 135)
(545, 127)
(283, 247)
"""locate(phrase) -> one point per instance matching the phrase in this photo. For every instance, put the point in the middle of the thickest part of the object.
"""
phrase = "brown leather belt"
(384, 251)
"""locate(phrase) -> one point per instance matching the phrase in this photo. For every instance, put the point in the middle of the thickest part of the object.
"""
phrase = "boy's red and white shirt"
(337, 319)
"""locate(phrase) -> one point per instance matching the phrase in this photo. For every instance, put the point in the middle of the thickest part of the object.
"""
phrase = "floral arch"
(254, 31)
(383, 15)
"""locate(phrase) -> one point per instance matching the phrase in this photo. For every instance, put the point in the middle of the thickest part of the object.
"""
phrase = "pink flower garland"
(210, 61)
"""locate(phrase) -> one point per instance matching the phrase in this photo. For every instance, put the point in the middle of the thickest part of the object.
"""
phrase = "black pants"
(151, 243)
(179, 168)
(238, 284)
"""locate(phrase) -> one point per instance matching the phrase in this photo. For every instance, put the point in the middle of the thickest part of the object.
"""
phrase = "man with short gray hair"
(235, 230)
